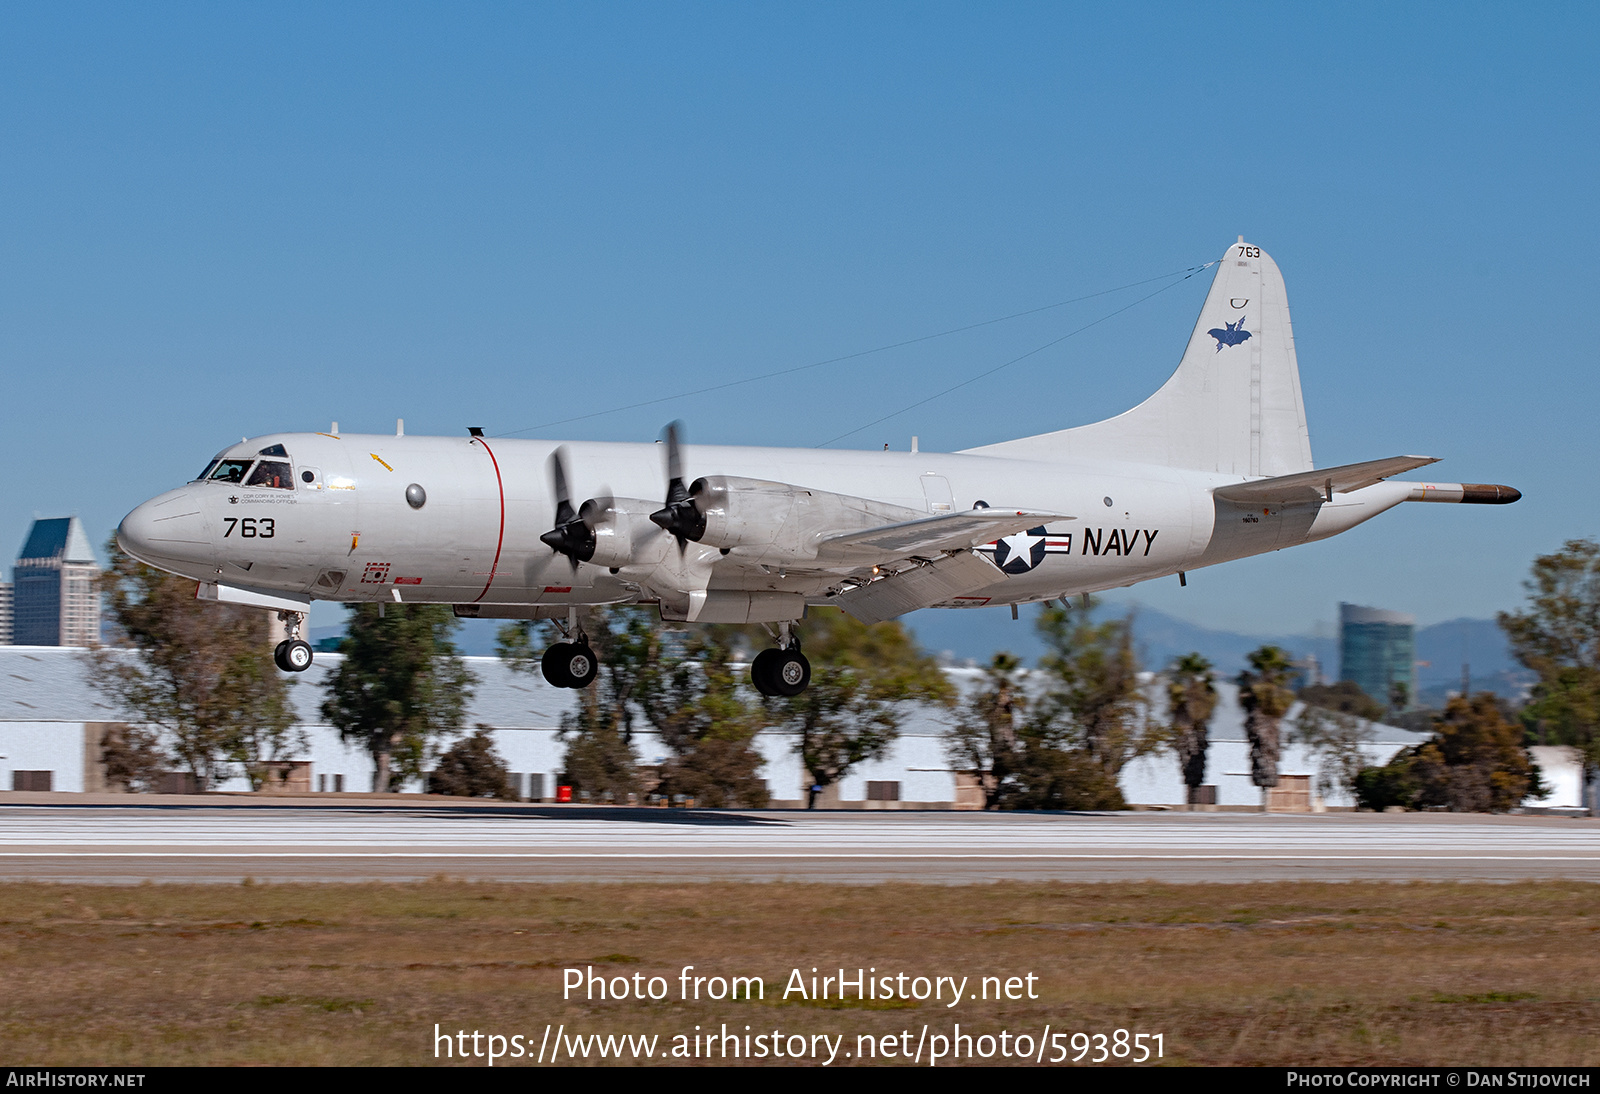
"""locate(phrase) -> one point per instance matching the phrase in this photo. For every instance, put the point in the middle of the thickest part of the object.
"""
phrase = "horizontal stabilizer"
(931, 535)
(919, 587)
(1310, 487)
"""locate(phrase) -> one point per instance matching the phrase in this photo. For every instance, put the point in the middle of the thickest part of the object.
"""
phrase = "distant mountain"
(975, 634)
(1477, 643)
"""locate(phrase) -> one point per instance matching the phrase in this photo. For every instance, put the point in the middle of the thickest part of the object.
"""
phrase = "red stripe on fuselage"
(499, 540)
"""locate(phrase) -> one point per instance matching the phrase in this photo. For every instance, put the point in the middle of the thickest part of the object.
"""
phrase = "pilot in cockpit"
(272, 473)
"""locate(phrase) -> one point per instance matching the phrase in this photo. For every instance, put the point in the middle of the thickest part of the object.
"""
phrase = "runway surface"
(352, 842)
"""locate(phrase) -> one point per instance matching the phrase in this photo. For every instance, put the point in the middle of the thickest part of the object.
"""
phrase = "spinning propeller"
(680, 516)
(573, 534)
(575, 531)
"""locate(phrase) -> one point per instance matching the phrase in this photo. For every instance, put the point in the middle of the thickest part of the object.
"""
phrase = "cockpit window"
(274, 450)
(230, 471)
(206, 474)
(272, 473)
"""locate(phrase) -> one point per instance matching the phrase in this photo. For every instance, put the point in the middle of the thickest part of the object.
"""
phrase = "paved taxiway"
(194, 841)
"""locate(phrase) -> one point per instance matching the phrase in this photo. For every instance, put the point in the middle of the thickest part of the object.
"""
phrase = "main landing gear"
(783, 671)
(292, 654)
(570, 664)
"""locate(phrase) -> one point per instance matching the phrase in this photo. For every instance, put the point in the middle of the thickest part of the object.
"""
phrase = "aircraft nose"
(165, 530)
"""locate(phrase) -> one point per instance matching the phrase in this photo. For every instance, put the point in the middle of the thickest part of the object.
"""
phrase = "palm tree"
(984, 739)
(1265, 695)
(1191, 699)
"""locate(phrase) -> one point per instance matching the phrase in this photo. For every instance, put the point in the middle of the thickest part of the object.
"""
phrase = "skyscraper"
(54, 600)
(5, 613)
(1377, 651)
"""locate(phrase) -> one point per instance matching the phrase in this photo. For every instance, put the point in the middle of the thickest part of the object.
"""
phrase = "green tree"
(1558, 636)
(133, 758)
(1191, 700)
(696, 703)
(986, 737)
(851, 712)
(202, 677)
(471, 768)
(1265, 696)
(1090, 720)
(1338, 739)
(1346, 697)
(1094, 700)
(600, 760)
(1476, 762)
(401, 687)
(1055, 776)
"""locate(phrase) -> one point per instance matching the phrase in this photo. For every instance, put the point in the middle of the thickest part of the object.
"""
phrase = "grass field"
(1296, 974)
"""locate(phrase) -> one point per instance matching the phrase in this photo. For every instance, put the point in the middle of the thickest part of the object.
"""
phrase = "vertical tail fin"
(1234, 404)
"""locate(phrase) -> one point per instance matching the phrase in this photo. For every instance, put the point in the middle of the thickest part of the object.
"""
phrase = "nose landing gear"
(570, 664)
(783, 671)
(292, 654)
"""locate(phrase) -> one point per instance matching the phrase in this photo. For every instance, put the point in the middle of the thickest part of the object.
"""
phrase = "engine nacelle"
(780, 522)
(744, 512)
(624, 534)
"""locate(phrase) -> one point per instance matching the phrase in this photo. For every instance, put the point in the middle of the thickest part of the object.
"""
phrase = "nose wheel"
(292, 654)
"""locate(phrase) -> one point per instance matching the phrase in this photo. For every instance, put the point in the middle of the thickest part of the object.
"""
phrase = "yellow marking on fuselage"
(379, 458)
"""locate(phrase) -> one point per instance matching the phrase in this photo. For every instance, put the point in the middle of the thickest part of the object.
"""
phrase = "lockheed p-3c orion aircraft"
(1214, 466)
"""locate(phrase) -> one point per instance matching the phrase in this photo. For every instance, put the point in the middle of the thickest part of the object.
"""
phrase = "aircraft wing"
(919, 586)
(930, 535)
(1310, 487)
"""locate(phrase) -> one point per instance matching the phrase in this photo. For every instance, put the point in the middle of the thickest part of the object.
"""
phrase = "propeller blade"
(674, 456)
(571, 536)
(558, 486)
(679, 516)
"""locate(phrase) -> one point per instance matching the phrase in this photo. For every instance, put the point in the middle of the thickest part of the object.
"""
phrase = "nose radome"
(166, 529)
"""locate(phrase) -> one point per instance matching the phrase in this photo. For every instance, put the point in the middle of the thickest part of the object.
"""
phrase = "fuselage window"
(230, 470)
(274, 474)
(206, 474)
(273, 450)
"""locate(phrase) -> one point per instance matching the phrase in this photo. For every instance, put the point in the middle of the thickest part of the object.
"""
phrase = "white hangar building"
(52, 724)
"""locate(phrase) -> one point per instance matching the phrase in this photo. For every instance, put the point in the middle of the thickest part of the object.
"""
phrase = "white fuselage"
(342, 529)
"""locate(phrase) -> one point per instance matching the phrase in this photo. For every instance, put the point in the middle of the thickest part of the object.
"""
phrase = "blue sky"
(221, 220)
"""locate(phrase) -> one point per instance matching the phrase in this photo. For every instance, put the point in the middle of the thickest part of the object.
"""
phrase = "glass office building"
(54, 601)
(1378, 651)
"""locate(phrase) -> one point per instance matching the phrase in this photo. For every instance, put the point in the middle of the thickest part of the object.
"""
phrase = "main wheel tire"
(297, 656)
(581, 665)
(761, 674)
(277, 656)
(791, 672)
(554, 665)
